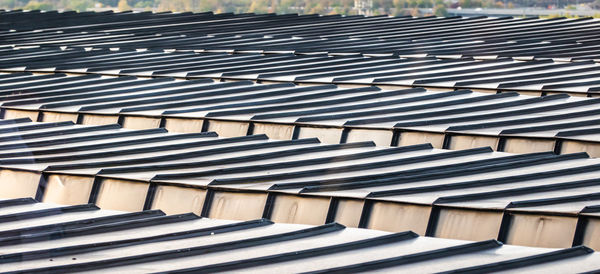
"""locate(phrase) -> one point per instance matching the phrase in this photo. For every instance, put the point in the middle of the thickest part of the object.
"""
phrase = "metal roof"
(426, 36)
(40, 237)
(458, 119)
(469, 194)
(536, 77)
(387, 123)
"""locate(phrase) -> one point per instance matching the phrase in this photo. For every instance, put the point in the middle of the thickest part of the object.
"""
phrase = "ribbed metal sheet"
(269, 33)
(536, 77)
(42, 238)
(537, 199)
(414, 118)
(458, 119)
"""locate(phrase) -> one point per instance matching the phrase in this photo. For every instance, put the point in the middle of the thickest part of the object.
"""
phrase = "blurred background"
(516, 8)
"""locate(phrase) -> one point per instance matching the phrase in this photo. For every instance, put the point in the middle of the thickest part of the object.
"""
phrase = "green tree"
(423, 3)
(78, 5)
(440, 11)
(470, 3)
(35, 5)
(145, 4)
(318, 8)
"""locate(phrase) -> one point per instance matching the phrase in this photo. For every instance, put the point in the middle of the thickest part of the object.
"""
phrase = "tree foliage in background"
(393, 7)
(35, 5)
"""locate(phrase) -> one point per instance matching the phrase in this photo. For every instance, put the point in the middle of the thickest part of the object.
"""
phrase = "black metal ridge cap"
(555, 200)
(328, 91)
(178, 156)
(102, 55)
(195, 141)
(558, 126)
(469, 109)
(494, 181)
(333, 73)
(166, 62)
(294, 63)
(429, 63)
(20, 76)
(457, 172)
(222, 161)
(64, 82)
(366, 71)
(538, 81)
(297, 67)
(9, 77)
(62, 226)
(28, 79)
(300, 163)
(34, 80)
(46, 212)
(47, 59)
(71, 130)
(593, 90)
(218, 66)
(356, 167)
(549, 257)
(121, 93)
(105, 145)
(59, 94)
(302, 254)
(466, 67)
(350, 64)
(560, 106)
(356, 106)
(299, 104)
(527, 79)
(266, 89)
(511, 122)
(578, 132)
(421, 107)
(470, 248)
(194, 251)
(82, 92)
(16, 202)
(465, 80)
(14, 121)
(417, 171)
(101, 228)
(35, 126)
(66, 140)
(92, 247)
(570, 85)
(590, 209)
(130, 103)
(516, 191)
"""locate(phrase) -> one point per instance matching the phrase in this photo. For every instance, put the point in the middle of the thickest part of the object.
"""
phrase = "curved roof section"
(39, 237)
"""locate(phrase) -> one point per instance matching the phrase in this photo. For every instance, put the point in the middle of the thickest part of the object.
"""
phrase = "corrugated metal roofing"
(38, 237)
(431, 36)
(474, 194)
(538, 77)
(452, 119)
(280, 82)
